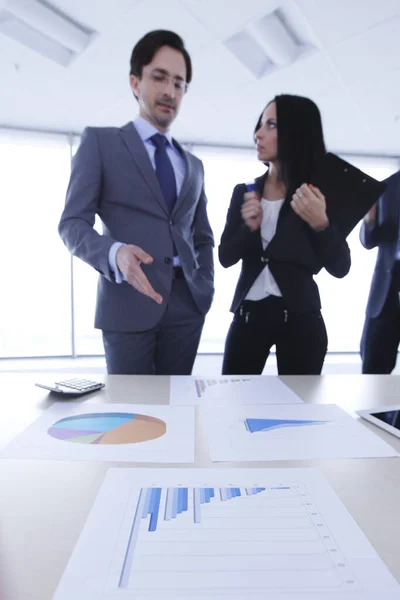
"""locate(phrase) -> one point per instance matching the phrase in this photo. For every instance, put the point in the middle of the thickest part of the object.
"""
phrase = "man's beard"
(164, 121)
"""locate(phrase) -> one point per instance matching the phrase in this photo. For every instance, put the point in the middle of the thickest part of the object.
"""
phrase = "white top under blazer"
(265, 285)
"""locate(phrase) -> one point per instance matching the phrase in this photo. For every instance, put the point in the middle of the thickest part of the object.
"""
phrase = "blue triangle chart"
(255, 425)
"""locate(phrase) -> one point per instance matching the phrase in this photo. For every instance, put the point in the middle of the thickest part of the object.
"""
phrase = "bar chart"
(209, 538)
(203, 384)
(228, 391)
(222, 534)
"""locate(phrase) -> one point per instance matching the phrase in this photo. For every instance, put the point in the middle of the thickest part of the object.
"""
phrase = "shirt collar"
(146, 130)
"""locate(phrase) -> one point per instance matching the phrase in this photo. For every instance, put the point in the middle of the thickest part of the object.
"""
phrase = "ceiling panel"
(354, 76)
(362, 57)
(96, 14)
(224, 18)
(339, 20)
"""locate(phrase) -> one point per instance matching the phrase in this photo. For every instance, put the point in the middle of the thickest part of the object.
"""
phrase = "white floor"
(206, 364)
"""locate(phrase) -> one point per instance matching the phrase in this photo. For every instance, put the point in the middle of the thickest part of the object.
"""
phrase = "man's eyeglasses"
(161, 79)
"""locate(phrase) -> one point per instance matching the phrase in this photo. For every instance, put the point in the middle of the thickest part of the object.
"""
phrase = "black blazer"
(385, 235)
(294, 255)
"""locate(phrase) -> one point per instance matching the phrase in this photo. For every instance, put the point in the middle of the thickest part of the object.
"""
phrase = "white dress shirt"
(265, 284)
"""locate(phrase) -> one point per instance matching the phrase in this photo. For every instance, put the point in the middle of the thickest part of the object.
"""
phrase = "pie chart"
(108, 428)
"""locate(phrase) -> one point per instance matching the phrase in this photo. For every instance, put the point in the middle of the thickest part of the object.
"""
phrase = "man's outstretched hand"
(129, 259)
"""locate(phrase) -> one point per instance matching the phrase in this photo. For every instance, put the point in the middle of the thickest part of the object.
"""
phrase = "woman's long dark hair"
(300, 139)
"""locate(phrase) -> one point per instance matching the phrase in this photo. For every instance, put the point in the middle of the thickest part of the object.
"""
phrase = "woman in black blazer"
(283, 235)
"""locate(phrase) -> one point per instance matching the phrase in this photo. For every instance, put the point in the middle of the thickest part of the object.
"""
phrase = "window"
(223, 168)
(87, 339)
(35, 302)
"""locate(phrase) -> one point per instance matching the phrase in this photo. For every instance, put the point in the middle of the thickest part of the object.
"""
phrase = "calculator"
(72, 387)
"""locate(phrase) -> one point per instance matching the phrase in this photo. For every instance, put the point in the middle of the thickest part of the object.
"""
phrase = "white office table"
(44, 504)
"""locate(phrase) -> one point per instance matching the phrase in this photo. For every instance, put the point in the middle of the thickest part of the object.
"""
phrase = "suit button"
(167, 260)
(264, 260)
(171, 222)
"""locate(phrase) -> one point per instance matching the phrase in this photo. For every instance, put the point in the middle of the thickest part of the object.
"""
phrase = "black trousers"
(381, 335)
(300, 339)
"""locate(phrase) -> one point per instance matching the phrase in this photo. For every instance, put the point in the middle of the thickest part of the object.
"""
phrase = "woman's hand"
(252, 211)
(309, 204)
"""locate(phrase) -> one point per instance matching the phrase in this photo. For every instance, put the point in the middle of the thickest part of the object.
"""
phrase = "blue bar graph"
(168, 505)
(179, 509)
(185, 500)
(176, 501)
(154, 508)
(253, 491)
(196, 505)
(202, 384)
(147, 496)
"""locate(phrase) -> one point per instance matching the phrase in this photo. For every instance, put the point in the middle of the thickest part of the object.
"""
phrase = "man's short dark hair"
(146, 48)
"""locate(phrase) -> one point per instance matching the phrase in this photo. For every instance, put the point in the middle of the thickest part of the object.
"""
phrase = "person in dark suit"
(155, 254)
(283, 235)
(381, 332)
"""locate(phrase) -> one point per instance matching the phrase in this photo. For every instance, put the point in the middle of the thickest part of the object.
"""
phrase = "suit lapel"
(259, 183)
(187, 179)
(139, 154)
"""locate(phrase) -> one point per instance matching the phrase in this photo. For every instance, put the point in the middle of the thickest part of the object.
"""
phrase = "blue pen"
(251, 186)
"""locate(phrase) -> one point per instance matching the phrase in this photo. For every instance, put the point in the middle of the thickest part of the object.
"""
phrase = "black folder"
(349, 192)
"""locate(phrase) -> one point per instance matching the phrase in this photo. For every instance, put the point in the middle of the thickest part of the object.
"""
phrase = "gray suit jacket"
(112, 176)
(385, 235)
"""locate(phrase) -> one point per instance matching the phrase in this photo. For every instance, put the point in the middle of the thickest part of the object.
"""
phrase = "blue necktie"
(164, 170)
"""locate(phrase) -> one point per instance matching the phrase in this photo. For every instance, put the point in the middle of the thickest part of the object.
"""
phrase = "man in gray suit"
(155, 255)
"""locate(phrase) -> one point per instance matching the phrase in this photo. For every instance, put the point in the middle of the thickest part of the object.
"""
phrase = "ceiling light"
(273, 35)
(250, 53)
(269, 43)
(45, 29)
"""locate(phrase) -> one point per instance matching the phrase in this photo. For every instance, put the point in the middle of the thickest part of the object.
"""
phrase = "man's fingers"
(142, 255)
(142, 284)
(129, 258)
(136, 277)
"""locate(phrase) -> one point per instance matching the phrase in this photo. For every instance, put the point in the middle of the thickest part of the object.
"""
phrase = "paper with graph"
(249, 389)
(213, 534)
(289, 432)
(109, 432)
